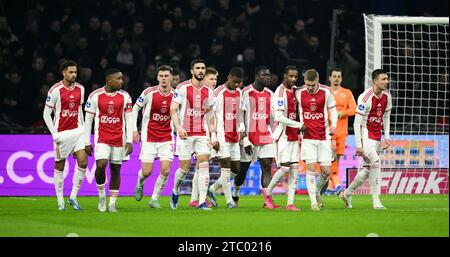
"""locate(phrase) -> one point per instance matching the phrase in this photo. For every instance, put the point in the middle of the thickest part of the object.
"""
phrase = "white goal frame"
(374, 37)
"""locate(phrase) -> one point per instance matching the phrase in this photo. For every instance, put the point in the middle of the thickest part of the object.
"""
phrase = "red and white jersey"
(156, 122)
(109, 110)
(372, 108)
(66, 103)
(313, 110)
(194, 103)
(257, 109)
(227, 108)
(284, 100)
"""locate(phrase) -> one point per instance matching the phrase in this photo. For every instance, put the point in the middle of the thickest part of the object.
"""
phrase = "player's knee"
(82, 163)
(101, 164)
(59, 165)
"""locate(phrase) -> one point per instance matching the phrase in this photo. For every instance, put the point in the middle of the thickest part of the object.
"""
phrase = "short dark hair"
(237, 72)
(335, 69)
(311, 75)
(111, 71)
(377, 73)
(175, 72)
(195, 61)
(290, 67)
(259, 69)
(66, 64)
(164, 68)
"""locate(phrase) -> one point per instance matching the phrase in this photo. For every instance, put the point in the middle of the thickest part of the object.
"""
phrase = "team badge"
(141, 99)
(49, 98)
(361, 107)
(88, 104)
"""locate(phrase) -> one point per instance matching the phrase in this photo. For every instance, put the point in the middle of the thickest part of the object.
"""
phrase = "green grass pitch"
(407, 215)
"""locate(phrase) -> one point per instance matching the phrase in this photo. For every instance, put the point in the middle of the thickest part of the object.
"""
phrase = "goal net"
(414, 52)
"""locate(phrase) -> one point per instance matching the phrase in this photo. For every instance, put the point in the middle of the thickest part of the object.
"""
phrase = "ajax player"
(156, 133)
(286, 128)
(65, 99)
(372, 115)
(111, 107)
(314, 103)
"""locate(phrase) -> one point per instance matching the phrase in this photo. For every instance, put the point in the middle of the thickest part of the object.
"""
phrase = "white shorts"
(372, 150)
(313, 151)
(287, 152)
(112, 153)
(228, 150)
(71, 142)
(259, 152)
(194, 144)
(150, 150)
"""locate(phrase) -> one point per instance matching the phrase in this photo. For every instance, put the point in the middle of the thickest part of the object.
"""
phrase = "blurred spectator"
(247, 60)
(350, 67)
(15, 98)
(175, 78)
(317, 58)
(137, 36)
(282, 55)
(70, 38)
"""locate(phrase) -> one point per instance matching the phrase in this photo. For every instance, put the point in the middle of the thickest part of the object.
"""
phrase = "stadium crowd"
(137, 36)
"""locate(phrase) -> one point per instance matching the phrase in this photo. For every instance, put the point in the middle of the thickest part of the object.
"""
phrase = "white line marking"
(23, 198)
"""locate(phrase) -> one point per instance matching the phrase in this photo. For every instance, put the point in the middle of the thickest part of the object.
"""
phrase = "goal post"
(374, 36)
(414, 52)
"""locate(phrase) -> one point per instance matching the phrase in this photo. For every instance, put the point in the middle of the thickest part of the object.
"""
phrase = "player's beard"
(198, 78)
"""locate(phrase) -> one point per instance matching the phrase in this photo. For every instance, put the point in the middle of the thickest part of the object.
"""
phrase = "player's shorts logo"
(141, 99)
(361, 107)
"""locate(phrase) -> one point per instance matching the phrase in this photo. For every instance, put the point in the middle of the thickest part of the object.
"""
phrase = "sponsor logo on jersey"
(69, 113)
(259, 116)
(292, 116)
(141, 99)
(195, 113)
(312, 116)
(230, 116)
(175, 94)
(375, 120)
(109, 120)
(88, 104)
(361, 107)
(159, 117)
(49, 98)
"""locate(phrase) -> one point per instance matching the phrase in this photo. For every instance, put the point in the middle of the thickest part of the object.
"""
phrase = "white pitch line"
(24, 198)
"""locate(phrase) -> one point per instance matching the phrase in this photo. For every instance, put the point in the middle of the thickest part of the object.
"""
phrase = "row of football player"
(237, 128)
